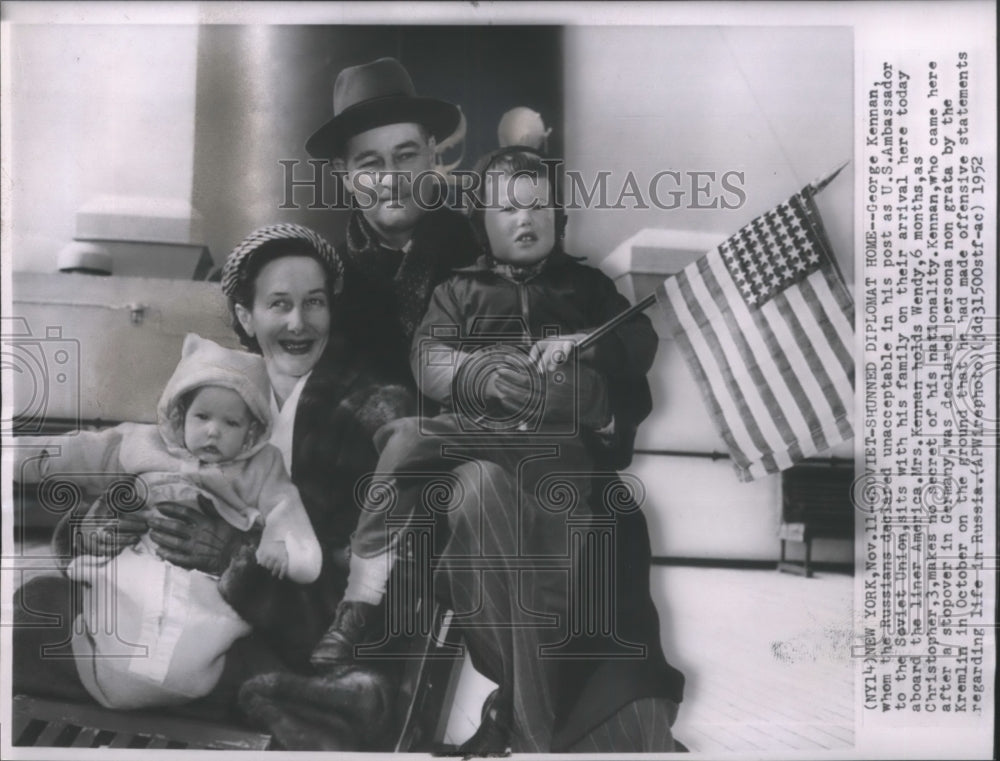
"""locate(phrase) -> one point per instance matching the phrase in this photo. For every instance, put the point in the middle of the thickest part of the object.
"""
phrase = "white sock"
(368, 577)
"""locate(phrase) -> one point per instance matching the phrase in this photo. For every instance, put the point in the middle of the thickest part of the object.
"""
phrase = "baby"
(526, 304)
(170, 627)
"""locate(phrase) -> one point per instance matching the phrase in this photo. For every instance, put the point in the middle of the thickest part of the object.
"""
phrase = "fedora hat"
(375, 94)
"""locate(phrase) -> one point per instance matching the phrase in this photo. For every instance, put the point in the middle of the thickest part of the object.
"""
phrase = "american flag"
(765, 323)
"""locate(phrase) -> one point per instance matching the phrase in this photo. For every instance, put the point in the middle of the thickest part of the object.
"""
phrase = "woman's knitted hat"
(237, 265)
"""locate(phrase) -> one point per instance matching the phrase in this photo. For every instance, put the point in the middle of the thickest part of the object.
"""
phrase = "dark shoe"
(493, 736)
(349, 627)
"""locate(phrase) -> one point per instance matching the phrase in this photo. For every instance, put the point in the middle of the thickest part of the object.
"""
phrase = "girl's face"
(290, 315)
(520, 221)
(216, 424)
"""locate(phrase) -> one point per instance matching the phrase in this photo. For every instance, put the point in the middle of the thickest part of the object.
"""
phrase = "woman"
(280, 284)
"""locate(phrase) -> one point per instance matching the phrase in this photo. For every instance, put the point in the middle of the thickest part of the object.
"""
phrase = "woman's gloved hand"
(108, 530)
(122, 532)
(192, 538)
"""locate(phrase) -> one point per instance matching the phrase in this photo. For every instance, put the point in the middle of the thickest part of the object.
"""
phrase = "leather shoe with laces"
(351, 623)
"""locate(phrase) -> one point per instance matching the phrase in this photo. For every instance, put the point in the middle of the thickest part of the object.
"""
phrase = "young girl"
(152, 633)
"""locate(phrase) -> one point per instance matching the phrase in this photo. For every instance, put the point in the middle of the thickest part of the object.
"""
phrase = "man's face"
(382, 165)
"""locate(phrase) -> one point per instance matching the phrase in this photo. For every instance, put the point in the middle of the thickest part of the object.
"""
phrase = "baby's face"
(520, 221)
(216, 425)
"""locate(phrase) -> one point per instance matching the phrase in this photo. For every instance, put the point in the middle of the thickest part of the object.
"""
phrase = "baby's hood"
(206, 363)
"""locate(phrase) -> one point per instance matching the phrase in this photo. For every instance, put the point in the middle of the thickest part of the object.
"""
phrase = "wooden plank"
(190, 731)
(48, 736)
(86, 737)
(20, 718)
(158, 742)
(121, 740)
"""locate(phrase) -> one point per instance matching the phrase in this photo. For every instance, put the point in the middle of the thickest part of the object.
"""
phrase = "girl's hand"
(549, 353)
(574, 398)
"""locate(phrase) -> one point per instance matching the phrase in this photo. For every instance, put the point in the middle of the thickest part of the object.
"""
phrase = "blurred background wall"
(95, 110)
(205, 114)
(772, 102)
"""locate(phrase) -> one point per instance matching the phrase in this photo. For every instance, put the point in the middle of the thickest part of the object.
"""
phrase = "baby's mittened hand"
(273, 556)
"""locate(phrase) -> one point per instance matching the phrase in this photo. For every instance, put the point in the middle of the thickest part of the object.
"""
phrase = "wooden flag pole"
(614, 322)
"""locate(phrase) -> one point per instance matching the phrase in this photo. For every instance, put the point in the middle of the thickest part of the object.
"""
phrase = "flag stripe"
(753, 406)
(799, 368)
(843, 320)
(840, 311)
(843, 373)
(791, 373)
(740, 459)
(681, 326)
(841, 314)
(814, 330)
(804, 343)
(840, 294)
(762, 350)
(711, 372)
(726, 381)
(741, 381)
(780, 432)
(837, 386)
(819, 301)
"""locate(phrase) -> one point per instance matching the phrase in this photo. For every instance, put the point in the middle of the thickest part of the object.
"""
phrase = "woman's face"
(290, 315)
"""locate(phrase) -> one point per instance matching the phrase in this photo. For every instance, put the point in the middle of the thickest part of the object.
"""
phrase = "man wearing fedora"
(397, 249)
